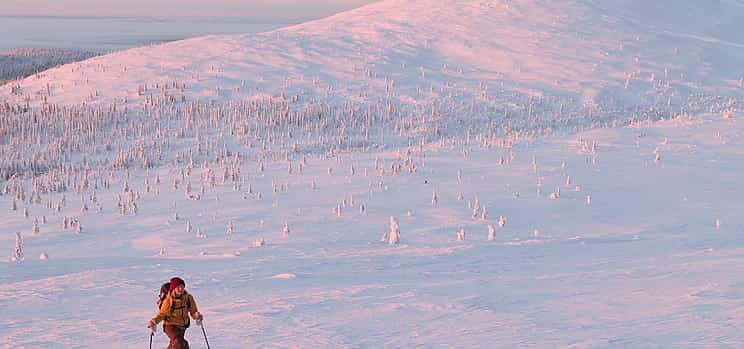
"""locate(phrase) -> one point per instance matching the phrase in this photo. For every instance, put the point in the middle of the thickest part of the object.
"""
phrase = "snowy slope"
(598, 51)
(644, 265)
(443, 114)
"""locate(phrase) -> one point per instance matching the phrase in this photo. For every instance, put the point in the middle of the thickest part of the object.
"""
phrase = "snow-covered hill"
(265, 169)
(600, 51)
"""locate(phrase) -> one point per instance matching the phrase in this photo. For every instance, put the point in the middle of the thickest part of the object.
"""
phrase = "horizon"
(294, 9)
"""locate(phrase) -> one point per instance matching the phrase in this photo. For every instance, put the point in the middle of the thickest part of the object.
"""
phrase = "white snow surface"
(643, 266)
(598, 51)
(651, 261)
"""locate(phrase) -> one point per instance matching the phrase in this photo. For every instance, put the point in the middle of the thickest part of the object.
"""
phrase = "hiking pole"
(201, 324)
(151, 335)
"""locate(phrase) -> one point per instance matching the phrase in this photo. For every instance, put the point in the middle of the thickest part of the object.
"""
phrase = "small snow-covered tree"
(484, 214)
(491, 233)
(285, 230)
(461, 235)
(18, 253)
(502, 221)
(434, 199)
(230, 228)
(393, 236)
(35, 227)
(188, 227)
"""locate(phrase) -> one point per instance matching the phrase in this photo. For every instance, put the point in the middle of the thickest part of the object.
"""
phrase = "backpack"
(164, 291)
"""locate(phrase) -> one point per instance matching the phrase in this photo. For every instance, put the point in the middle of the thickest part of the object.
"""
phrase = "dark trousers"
(176, 333)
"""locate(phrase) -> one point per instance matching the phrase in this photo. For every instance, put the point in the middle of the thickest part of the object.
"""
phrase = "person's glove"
(199, 318)
(151, 326)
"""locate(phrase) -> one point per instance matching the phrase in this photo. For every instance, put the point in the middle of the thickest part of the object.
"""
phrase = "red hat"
(175, 282)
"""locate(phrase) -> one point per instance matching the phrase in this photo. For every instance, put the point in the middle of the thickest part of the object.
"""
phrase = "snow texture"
(602, 136)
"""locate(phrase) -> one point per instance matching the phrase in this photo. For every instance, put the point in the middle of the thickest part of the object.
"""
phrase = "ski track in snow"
(642, 263)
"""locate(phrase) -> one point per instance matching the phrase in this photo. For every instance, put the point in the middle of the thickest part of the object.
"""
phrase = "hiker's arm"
(194, 310)
(164, 307)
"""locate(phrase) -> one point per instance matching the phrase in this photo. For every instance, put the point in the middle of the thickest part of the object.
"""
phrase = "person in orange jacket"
(175, 310)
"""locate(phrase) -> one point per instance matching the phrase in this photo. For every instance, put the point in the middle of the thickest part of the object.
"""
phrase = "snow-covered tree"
(18, 253)
(393, 236)
(35, 227)
(285, 230)
(491, 233)
(461, 235)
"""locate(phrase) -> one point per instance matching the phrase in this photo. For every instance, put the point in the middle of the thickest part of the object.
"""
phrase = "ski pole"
(151, 329)
(201, 324)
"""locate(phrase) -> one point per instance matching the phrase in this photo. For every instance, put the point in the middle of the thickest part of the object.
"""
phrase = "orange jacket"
(175, 310)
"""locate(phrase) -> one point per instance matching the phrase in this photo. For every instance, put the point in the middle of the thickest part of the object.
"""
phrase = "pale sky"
(232, 8)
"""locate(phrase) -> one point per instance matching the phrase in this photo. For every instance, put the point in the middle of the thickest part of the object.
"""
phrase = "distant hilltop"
(608, 53)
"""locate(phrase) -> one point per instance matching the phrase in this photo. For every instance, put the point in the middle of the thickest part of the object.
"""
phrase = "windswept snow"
(600, 51)
(265, 168)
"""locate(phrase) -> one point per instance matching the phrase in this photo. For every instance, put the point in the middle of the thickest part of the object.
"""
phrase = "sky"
(219, 8)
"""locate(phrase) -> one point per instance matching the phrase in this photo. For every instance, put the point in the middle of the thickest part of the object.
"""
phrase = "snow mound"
(285, 276)
(608, 52)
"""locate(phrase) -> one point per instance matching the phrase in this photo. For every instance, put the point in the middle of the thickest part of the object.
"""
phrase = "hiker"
(175, 309)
